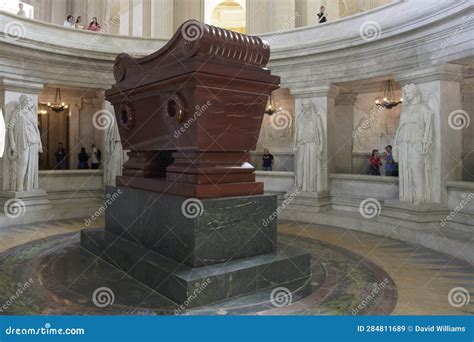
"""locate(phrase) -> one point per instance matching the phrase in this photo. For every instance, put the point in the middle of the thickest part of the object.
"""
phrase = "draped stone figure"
(24, 146)
(309, 146)
(412, 147)
(114, 154)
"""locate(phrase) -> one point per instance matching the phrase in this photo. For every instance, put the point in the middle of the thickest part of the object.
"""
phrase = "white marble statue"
(3, 133)
(412, 146)
(114, 154)
(310, 174)
(24, 145)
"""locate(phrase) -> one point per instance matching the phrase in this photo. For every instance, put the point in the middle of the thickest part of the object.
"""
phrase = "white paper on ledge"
(3, 132)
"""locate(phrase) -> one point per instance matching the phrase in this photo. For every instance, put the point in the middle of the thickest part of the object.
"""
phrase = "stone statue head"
(26, 102)
(410, 93)
(308, 108)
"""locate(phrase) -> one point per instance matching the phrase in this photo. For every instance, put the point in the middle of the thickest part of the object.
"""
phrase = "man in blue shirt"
(391, 168)
(267, 160)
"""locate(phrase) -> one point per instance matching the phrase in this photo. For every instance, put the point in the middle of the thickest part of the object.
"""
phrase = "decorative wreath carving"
(176, 108)
(126, 116)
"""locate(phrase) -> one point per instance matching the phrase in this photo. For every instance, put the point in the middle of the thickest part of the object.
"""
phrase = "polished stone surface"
(349, 263)
(191, 231)
(171, 243)
(288, 267)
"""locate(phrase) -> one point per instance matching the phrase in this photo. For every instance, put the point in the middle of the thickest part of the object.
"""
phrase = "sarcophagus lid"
(202, 95)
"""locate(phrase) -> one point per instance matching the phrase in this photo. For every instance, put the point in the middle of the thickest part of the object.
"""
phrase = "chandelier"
(271, 108)
(57, 106)
(388, 101)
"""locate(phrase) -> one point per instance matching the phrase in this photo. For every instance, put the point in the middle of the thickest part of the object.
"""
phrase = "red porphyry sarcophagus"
(191, 112)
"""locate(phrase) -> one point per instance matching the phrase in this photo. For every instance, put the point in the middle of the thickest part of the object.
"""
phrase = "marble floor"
(353, 273)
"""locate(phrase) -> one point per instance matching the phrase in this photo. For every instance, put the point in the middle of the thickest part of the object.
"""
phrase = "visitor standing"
(322, 15)
(390, 165)
(60, 155)
(79, 23)
(374, 163)
(21, 12)
(95, 157)
(267, 160)
(69, 22)
(94, 25)
(83, 159)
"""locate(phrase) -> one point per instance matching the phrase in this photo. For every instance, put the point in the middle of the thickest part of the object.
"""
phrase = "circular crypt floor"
(44, 271)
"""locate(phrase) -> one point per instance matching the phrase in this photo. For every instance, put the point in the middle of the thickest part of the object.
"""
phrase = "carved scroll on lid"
(214, 41)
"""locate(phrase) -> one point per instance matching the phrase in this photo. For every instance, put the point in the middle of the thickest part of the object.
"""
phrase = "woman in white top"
(69, 21)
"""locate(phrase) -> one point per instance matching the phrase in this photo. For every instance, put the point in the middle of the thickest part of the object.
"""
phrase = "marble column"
(146, 18)
(258, 18)
(307, 11)
(187, 9)
(74, 132)
(126, 19)
(162, 19)
(344, 131)
(58, 12)
(17, 202)
(440, 88)
(283, 15)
